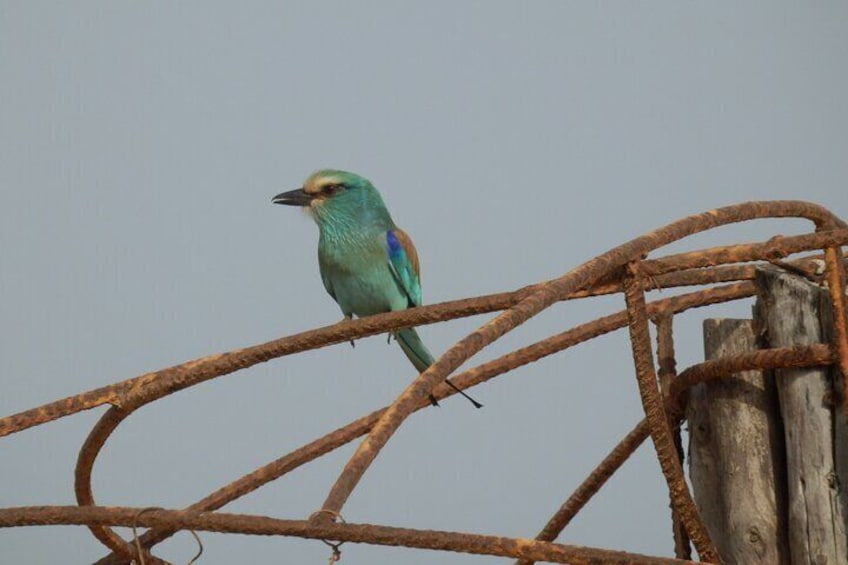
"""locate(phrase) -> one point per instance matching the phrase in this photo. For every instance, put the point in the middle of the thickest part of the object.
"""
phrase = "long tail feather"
(421, 358)
(414, 349)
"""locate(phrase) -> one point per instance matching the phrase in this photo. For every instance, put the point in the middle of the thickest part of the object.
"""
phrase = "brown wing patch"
(406, 243)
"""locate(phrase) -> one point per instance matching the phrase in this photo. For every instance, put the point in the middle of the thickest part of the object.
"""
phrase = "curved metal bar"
(82, 478)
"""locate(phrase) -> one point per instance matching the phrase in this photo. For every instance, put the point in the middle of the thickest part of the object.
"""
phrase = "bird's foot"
(347, 318)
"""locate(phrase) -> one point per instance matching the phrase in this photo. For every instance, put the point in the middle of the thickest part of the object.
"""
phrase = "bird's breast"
(359, 275)
(350, 254)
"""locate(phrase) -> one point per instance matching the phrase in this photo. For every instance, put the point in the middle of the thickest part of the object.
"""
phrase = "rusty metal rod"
(356, 533)
(762, 359)
(678, 276)
(836, 287)
(667, 363)
(655, 414)
(775, 248)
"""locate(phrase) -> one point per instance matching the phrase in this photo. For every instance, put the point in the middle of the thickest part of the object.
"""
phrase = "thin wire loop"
(335, 546)
(139, 555)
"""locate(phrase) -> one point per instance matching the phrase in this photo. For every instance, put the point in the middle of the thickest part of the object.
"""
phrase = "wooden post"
(788, 312)
(735, 453)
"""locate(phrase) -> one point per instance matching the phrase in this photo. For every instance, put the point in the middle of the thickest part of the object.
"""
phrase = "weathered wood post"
(789, 312)
(736, 454)
(767, 452)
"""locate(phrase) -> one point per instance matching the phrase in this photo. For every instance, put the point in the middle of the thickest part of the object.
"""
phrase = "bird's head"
(331, 194)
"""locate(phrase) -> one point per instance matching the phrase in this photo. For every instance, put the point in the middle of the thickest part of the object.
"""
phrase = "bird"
(367, 263)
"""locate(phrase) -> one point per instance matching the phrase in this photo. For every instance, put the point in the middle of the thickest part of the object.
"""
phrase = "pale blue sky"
(140, 144)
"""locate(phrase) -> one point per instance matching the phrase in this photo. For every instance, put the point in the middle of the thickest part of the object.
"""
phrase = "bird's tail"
(421, 357)
(414, 348)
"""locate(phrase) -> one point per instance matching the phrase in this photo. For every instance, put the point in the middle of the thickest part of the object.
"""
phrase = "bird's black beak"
(297, 197)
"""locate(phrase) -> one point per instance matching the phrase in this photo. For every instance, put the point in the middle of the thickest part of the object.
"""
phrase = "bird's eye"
(332, 188)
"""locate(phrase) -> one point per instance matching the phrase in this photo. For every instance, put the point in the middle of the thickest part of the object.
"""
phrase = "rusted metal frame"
(735, 213)
(667, 364)
(321, 337)
(703, 221)
(836, 287)
(580, 278)
(761, 359)
(775, 248)
(591, 485)
(655, 414)
(472, 377)
(220, 364)
(205, 368)
(790, 357)
(356, 533)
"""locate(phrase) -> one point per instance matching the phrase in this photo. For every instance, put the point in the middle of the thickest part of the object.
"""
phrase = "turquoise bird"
(368, 264)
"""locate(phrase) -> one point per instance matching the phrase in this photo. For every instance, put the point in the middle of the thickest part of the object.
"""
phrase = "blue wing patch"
(403, 263)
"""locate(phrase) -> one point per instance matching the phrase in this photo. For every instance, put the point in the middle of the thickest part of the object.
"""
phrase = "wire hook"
(336, 547)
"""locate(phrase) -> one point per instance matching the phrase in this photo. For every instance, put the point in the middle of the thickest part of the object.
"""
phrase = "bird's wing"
(403, 263)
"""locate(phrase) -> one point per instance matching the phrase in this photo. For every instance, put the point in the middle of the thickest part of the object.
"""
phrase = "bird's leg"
(347, 318)
(389, 337)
